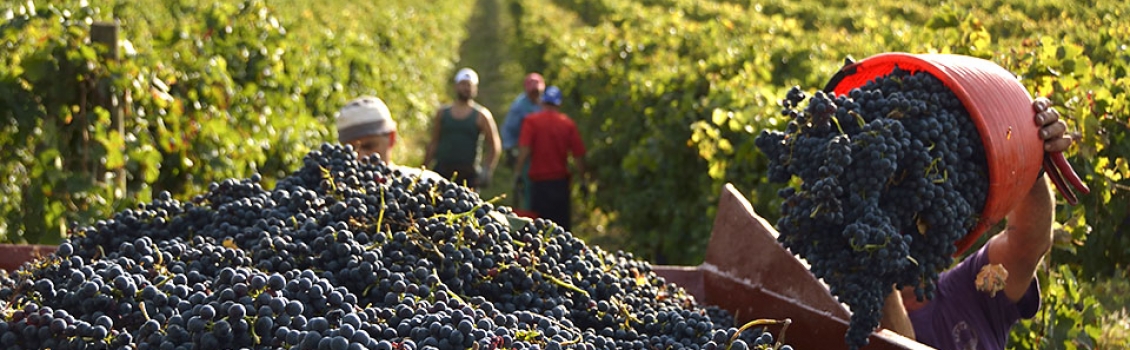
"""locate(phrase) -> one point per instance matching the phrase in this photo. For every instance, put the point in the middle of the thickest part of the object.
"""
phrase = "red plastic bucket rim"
(848, 78)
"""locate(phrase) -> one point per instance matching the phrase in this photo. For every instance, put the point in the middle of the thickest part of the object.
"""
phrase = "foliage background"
(667, 91)
(669, 95)
(209, 90)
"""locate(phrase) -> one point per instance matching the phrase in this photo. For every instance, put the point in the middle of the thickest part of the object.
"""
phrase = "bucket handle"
(1062, 175)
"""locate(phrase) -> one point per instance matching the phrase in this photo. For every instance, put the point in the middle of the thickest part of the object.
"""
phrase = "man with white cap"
(366, 124)
(456, 130)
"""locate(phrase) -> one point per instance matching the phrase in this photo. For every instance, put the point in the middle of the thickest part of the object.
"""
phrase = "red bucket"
(996, 102)
(525, 213)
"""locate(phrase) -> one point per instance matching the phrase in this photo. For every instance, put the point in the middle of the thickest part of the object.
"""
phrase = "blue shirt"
(960, 317)
(512, 126)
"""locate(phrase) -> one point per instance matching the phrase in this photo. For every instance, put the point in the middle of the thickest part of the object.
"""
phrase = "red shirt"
(551, 137)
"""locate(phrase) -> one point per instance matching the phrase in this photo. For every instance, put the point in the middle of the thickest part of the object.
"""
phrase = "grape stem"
(762, 322)
(417, 237)
(838, 127)
(255, 337)
(452, 295)
(858, 118)
(576, 340)
(566, 285)
(623, 308)
(144, 312)
(381, 215)
(551, 278)
(933, 170)
(328, 176)
(870, 248)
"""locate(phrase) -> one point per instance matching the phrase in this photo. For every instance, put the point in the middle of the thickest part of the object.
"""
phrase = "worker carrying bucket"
(904, 161)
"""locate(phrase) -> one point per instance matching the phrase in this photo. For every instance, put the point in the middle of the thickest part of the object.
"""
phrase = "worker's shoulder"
(442, 108)
(561, 118)
(417, 172)
(535, 117)
(482, 109)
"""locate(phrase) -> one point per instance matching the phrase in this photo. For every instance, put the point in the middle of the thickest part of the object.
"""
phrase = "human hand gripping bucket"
(1002, 110)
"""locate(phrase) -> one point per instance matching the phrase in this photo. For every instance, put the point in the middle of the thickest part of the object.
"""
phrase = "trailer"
(745, 271)
(748, 273)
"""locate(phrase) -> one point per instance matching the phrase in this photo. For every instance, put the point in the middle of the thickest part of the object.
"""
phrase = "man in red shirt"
(547, 140)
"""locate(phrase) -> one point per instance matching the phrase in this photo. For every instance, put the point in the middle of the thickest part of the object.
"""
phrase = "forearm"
(1030, 223)
(895, 317)
(433, 143)
(510, 130)
(492, 141)
(1025, 241)
(491, 159)
(523, 157)
(429, 153)
(582, 168)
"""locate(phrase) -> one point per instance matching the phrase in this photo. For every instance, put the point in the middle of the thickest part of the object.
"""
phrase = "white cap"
(467, 74)
(364, 116)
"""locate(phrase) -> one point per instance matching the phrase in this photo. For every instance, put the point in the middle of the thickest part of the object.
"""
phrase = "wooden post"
(107, 33)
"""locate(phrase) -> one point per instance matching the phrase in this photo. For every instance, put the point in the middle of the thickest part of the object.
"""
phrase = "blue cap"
(552, 96)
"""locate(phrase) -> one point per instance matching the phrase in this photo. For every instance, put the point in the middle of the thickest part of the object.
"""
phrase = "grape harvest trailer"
(746, 271)
(441, 231)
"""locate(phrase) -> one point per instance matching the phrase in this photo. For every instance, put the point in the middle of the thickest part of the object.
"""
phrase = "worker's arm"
(429, 155)
(1028, 237)
(525, 139)
(578, 150)
(489, 129)
(1022, 244)
(511, 125)
(582, 169)
(895, 317)
(523, 157)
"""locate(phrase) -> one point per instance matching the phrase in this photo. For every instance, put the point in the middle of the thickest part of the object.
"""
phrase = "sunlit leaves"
(207, 91)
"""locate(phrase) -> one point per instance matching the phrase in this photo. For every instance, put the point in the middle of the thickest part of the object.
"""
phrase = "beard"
(464, 96)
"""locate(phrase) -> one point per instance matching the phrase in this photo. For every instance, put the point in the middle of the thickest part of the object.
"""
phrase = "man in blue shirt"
(525, 104)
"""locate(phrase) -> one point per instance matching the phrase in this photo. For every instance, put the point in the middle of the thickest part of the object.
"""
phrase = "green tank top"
(458, 139)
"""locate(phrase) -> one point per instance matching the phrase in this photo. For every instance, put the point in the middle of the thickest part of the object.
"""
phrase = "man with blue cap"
(547, 141)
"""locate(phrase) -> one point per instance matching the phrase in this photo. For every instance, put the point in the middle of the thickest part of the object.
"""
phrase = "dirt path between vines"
(487, 51)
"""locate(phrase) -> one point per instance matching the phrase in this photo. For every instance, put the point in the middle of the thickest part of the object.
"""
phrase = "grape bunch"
(346, 254)
(891, 175)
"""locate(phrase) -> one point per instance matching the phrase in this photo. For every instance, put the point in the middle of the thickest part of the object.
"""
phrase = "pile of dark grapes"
(346, 253)
(891, 175)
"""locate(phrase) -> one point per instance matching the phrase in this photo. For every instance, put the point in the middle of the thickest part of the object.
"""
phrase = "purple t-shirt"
(960, 317)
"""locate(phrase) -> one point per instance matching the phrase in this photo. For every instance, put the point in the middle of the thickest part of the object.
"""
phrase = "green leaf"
(945, 18)
(78, 184)
(114, 145)
(1070, 285)
(149, 162)
(39, 66)
(49, 160)
(88, 53)
(719, 116)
